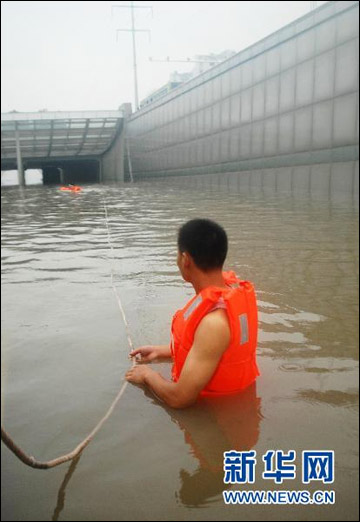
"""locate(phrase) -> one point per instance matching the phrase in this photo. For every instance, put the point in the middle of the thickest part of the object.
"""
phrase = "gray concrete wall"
(112, 162)
(290, 99)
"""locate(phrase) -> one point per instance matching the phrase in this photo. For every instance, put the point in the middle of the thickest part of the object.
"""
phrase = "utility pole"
(133, 31)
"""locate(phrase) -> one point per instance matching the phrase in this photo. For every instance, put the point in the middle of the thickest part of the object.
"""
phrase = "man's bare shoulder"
(214, 330)
(218, 317)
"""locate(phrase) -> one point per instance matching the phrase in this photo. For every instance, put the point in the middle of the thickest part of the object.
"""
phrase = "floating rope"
(31, 461)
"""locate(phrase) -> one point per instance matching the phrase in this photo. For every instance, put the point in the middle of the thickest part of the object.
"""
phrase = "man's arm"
(211, 339)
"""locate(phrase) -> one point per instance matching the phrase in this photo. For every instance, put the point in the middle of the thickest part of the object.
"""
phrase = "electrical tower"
(133, 31)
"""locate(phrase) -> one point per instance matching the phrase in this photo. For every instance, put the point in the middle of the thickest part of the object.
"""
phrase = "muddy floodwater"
(64, 344)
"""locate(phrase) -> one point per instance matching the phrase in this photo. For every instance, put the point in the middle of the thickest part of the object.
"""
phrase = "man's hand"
(138, 374)
(150, 353)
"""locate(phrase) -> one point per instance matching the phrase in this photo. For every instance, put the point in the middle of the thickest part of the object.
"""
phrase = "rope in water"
(31, 461)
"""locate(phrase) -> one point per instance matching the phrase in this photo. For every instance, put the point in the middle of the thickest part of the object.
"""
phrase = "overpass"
(69, 147)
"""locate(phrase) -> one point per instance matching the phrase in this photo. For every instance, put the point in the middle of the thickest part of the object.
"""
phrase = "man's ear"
(186, 259)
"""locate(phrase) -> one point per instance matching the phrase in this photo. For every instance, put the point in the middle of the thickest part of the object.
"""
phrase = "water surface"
(64, 345)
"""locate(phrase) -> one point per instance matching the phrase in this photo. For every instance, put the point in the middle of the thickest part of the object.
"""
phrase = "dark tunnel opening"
(74, 172)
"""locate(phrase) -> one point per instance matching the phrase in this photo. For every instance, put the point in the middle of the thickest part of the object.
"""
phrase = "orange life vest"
(237, 367)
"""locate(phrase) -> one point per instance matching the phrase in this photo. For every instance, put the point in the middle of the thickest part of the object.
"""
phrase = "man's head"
(202, 244)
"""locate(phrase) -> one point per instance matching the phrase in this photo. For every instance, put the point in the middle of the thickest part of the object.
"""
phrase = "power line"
(188, 60)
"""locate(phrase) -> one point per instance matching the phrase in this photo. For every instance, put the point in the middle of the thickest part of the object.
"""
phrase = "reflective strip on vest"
(244, 329)
(194, 305)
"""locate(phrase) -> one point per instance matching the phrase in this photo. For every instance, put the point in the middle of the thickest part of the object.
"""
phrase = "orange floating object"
(73, 188)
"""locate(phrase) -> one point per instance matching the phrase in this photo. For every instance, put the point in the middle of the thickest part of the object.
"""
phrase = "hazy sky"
(64, 55)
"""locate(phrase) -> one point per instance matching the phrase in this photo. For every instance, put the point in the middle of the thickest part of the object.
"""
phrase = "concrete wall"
(290, 99)
(112, 162)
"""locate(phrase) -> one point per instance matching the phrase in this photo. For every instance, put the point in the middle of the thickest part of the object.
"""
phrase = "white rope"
(112, 280)
(31, 461)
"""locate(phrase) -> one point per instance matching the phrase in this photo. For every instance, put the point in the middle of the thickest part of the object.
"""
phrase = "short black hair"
(205, 241)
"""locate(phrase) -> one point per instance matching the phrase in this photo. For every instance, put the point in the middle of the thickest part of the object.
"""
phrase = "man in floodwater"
(213, 338)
